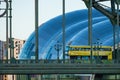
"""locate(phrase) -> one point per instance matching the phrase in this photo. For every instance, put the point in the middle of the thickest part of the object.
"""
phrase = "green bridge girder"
(58, 68)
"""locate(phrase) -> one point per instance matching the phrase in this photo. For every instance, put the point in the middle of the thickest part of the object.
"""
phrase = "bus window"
(104, 57)
(101, 49)
(76, 49)
(85, 57)
(87, 49)
(106, 49)
(79, 49)
(83, 49)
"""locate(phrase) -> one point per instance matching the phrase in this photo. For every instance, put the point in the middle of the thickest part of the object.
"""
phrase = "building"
(18, 44)
(15, 46)
(2, 50)
(2, 57)
(76, 32)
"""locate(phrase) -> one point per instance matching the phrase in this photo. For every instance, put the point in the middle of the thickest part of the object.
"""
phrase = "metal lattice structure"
(13, 66)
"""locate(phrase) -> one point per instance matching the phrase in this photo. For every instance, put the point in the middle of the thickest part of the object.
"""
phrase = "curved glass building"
(76, 33)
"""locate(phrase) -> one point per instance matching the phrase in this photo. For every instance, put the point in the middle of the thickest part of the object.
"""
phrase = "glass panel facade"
(76, 33)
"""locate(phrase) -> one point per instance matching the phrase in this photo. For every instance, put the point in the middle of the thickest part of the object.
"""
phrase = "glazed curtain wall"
(76, 33)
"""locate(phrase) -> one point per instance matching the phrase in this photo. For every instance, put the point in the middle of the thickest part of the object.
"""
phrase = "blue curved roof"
(76, 32)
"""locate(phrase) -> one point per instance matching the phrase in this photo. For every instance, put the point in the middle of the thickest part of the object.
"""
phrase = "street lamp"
(98, 47)
(58, 47)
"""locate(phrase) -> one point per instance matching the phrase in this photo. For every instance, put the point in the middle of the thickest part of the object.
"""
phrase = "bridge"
(64, 66)
(53, 67)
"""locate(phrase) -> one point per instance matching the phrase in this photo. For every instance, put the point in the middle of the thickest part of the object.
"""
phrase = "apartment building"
(2, 56)
(17, 46)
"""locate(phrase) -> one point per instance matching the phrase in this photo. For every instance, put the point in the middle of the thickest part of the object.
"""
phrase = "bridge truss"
(37, 66)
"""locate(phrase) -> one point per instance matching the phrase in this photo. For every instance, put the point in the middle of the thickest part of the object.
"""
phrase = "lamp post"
(58, 47)
(118, 36)
(98, 47)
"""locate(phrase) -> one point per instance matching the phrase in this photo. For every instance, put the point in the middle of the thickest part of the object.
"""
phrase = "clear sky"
(23, 15)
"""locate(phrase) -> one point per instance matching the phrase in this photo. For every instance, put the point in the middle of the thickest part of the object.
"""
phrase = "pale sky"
(23, 15)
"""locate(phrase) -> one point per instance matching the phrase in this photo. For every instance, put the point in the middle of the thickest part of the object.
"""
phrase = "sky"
(23, 15)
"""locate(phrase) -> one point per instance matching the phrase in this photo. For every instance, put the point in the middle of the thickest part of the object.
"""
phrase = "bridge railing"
(43, 61)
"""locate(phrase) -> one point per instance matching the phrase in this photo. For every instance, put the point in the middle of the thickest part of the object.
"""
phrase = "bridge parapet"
(67, 61)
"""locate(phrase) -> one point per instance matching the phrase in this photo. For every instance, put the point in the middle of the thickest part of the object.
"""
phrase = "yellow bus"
(84, 52)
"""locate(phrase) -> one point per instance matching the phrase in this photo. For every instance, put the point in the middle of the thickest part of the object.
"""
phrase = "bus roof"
(87, 46)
